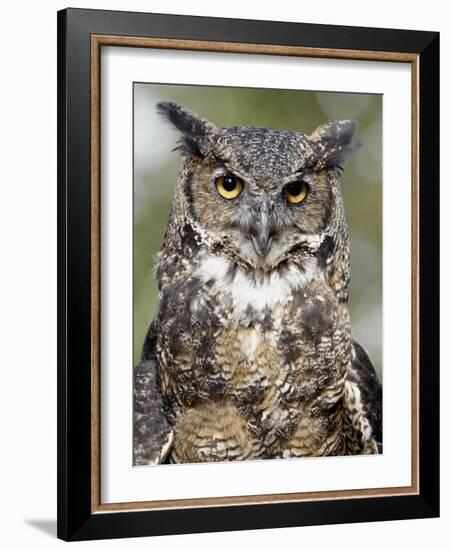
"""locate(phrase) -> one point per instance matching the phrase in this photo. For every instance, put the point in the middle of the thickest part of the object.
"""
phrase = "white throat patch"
(246, 292)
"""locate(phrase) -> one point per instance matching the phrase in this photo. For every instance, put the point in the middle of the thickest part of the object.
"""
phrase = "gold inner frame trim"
(97, 41)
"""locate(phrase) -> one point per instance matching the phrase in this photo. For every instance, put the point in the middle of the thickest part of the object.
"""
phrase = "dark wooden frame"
(81, 34)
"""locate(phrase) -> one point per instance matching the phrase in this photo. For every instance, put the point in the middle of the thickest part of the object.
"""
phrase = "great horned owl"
(250, 354)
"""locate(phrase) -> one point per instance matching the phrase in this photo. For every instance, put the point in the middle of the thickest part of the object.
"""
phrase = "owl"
(250, 354)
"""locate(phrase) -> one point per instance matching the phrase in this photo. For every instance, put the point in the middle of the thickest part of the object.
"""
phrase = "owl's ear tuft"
(197, 133)
(335, 141)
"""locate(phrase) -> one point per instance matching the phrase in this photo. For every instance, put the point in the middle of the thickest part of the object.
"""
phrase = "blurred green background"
(156, 168)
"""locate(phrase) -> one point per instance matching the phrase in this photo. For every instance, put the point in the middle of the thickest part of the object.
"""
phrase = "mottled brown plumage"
(251, 354)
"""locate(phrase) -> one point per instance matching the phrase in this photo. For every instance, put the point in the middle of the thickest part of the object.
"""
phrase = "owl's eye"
(229, 187)
(296, 191)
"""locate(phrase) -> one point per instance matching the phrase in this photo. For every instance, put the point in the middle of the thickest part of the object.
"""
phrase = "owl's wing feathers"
(152, 433)
(363, 402)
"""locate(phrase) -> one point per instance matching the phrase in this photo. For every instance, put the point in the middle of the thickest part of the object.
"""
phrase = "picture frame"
(81, 36)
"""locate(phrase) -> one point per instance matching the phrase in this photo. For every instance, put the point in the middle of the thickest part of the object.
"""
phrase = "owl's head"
(263, 196)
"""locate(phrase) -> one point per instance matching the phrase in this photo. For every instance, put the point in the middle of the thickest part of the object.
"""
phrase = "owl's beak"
(260, 233)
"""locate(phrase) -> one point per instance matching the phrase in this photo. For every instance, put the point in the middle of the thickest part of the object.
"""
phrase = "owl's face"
(261, 195)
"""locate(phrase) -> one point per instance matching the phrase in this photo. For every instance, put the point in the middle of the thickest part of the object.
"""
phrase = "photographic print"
(247, 247)
(257, 250)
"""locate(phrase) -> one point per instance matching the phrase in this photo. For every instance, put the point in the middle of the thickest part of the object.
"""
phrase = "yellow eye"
(229, 187)
(296, 191)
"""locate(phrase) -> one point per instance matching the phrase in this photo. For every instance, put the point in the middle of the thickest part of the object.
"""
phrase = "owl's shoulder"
(363, 399)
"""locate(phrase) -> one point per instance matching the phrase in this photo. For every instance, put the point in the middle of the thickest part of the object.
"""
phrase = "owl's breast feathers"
(257, 366)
